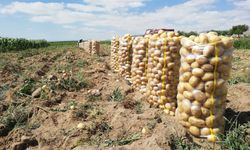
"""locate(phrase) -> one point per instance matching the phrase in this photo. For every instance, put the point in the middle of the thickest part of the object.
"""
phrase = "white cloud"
(104, 18)
(34, 8)
(243, 4)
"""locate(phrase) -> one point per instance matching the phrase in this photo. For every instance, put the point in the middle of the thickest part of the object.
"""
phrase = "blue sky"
(101, 19)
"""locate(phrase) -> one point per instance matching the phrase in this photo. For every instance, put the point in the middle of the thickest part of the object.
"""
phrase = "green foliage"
(26, 88)
(242, 43)
(83, 111)
(235, 138)
(106, 42)
(239, 79)
(19, 44)
(123, 141)
(116, 95)
(181, 143)
(93, 98)
(63, 43)
(187, 34)
(14, 116)
(239, 29)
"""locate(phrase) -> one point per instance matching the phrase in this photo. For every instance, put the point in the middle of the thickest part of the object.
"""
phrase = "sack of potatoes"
(163, 70)
(125, 56)
(139, 64)
(205, 68)
(114, 54)
(87, 46)
(95, 47)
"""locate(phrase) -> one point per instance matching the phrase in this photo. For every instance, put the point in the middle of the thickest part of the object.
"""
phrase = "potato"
(212, 138)
(188, 95)
(215, 60)
(186, 76)
(209, 86)
(205, 112)
(199, 95)
(184, 116)
(201, 60)
(194, 81)
(198, 72)
(205, 131)
(194, 131)
(207, 68)
(208, 76)
(185, 124)
(208, 50)
(200, 86)
(186, 106)
(196, 122)
(196, 110)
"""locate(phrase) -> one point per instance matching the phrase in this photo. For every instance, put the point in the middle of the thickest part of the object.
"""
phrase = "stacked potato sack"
(125, 56)
(81, 45)
(95, 47)
(139, 64)
(163, 70)
(205, 69)
(114, 54)
(87, 46)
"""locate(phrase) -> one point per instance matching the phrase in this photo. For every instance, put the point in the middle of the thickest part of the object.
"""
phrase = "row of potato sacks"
(92, 46)
(205, 69)
(163, 70)
(125, 56)
(114, 54)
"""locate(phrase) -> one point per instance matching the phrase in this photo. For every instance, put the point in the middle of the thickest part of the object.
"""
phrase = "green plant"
(123, 141)
(83, 111)
(138, 107)
(14, 116)
(27, 87)
(181, 143)
(235, 137)
(93, 98)
(58, 109)
(242, 43)
(116, 95)
(81, 63)
(18, 44)
(239, 79)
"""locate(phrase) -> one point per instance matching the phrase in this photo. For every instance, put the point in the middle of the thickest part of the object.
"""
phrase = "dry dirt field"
(72, 87)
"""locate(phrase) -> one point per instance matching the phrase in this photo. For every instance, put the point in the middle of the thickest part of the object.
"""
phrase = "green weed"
(181, 143)
(116, 95)
(122, 141)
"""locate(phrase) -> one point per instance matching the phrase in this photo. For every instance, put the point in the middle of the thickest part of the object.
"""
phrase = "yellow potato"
(194, 131)
(209, 85)
(208, 50)
(195, 65)
(186, 106)
(196, 110)
(207, 68)
(196, 122)
(194, 81)
(215, 60)
(205, 131)
(198, 72)
(188, 95)
(203, 39)
(205, 112)
(199, 95)
(200, 86)
(201, 60)
(188, 87)
(184, 116)
(208, 76)
(185, 124)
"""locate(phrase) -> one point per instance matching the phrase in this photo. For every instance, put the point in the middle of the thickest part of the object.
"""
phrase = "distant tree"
(187, 34)
(239, 29)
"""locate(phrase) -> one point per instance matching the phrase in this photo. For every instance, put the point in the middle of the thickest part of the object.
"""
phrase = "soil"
(118, 125)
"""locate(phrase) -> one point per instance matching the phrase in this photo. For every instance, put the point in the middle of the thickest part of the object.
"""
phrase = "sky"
(57, 20)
